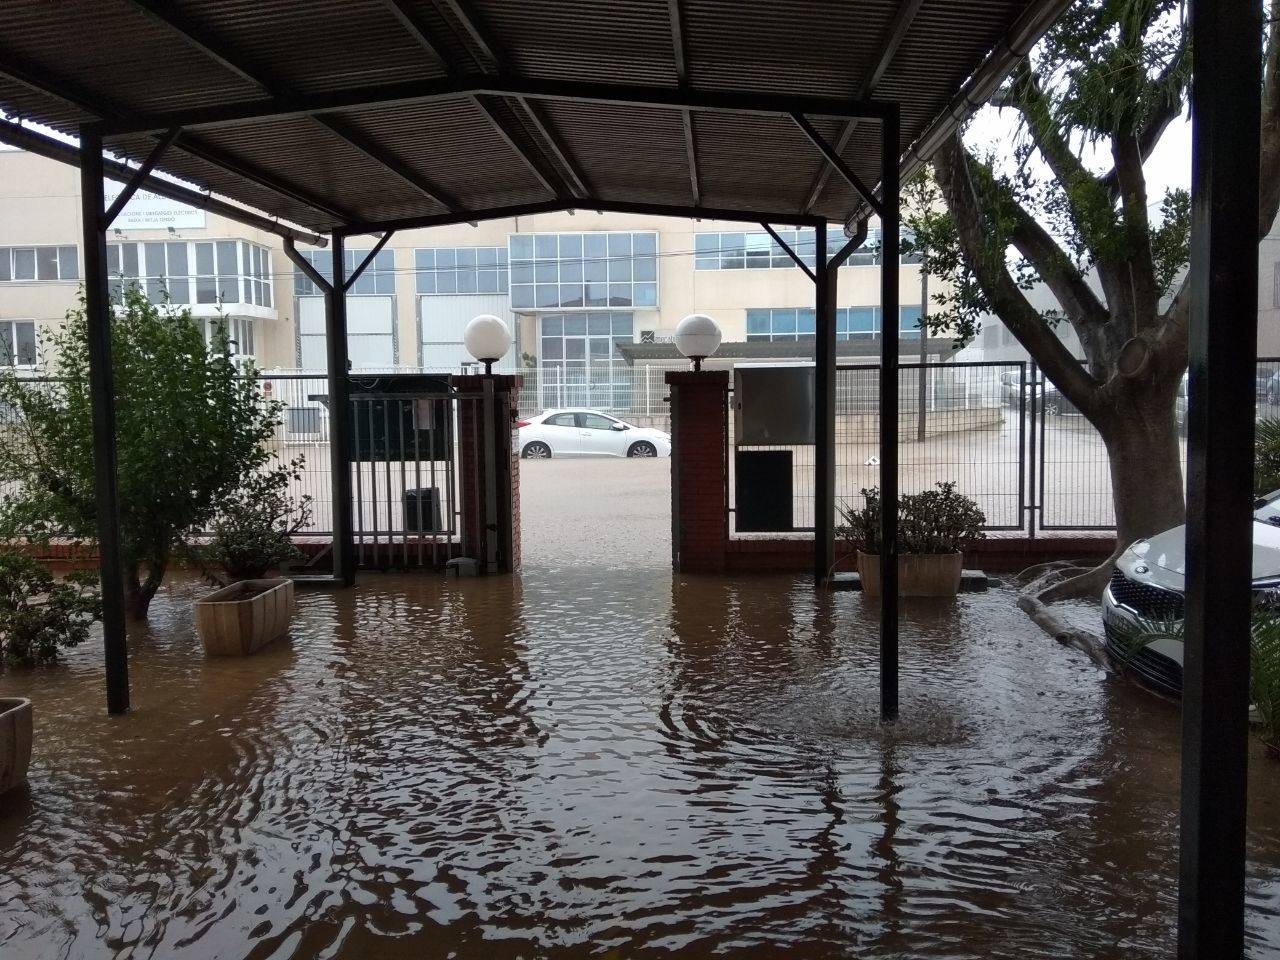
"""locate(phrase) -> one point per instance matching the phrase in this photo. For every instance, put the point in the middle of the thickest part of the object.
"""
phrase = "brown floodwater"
(616, 763)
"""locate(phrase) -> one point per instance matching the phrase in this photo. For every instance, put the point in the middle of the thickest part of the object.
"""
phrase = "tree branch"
(1163, 112)
(1144, 298)
(974, 228)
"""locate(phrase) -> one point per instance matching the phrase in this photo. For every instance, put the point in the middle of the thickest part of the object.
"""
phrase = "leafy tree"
(192, 429)
(1106, 81)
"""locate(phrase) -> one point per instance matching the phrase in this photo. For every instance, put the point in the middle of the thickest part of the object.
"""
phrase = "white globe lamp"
(487, 339)
(697, 337)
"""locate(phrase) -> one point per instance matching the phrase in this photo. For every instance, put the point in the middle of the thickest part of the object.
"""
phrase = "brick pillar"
(699, 470)
(479, 530)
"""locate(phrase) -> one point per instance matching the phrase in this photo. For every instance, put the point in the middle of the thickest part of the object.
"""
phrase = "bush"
(254, 530)
(932, 521)
(39, 615)
(1266, 454)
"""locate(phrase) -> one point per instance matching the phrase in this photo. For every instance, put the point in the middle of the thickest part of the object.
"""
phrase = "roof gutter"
(16, 135)
(998, 64)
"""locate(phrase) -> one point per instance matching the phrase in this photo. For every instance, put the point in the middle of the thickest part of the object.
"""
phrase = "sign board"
(773, 404)
(147, 211)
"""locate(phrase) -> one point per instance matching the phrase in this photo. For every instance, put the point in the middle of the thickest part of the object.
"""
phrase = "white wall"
(442, 318)
(370, 332)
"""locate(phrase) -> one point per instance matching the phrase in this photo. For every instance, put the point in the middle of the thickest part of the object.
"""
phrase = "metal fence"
(1000, 430)
(637, 394)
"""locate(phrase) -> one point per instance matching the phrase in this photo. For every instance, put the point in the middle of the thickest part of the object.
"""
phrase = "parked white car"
(1148, 584)
(588, 433)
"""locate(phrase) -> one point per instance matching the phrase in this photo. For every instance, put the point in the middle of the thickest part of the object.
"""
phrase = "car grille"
(1152, 668)
(1151, 603)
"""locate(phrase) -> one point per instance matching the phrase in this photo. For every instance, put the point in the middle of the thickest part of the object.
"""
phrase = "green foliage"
(1109, 71)
(1264, 663)
(1266, 456)
(253, 531)
(929, 522)
(192, 428)
(40, 615)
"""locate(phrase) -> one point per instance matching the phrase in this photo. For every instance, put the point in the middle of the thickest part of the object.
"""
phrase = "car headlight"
(1139, 548)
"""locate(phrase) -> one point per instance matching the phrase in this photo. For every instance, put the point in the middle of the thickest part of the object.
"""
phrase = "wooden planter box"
(244, 617)
(15, 741)
(919, 574)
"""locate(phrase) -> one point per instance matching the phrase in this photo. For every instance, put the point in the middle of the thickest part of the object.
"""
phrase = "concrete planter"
(919, 574)
(244, 617)
(15, 741)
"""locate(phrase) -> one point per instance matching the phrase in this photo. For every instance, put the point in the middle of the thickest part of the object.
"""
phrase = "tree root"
(1065, 580)
(1087, 643)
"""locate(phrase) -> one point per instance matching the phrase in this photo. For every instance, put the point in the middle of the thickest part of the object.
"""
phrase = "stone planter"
(244, 617)
(919, 574)
(15, 741)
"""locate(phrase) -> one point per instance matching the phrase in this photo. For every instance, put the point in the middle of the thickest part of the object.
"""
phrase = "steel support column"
(102, 398)
(824, 413)
(1225, 111)
(889, 324)
(335, 330)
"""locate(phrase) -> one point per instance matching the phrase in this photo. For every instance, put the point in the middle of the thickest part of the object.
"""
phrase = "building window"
(239, 331)
(17, 343)
(20, 264)
(581, 364)
(759, 251)
(551, 271)
(852, 323)
(379, 278)
(451, 270)
(191, 272)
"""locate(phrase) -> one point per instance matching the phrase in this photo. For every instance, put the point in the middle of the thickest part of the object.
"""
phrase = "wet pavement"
(598, 759)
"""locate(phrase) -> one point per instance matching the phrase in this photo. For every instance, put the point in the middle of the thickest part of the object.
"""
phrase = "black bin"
(422, 511)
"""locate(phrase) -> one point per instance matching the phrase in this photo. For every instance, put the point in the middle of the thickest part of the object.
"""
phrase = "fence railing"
(1000, 430)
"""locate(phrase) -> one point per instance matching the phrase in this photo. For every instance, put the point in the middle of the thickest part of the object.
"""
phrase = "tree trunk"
(138, 591)
(1141, 435)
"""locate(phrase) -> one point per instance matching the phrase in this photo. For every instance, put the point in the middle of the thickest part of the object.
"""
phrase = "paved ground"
(610, 513)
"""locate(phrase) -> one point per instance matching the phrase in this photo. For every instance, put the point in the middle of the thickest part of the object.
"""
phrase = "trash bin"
(422, 511)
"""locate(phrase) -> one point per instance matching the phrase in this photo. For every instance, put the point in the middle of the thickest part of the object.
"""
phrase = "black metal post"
(922, 385)
(344, 558)
(890, 323)
(824, 413)
(102, 396)
(1225, 113)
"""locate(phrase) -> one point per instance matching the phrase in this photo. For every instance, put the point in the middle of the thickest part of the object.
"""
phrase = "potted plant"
(251, 536)
(39, 615)
(934, 527)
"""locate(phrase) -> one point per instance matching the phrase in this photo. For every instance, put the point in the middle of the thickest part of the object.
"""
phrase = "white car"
(1148, 584)
(588, 433)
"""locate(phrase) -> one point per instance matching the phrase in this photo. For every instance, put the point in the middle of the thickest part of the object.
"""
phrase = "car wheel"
(536, 450)
(642, 448)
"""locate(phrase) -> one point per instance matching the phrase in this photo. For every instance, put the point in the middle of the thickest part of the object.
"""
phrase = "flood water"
(588, 761)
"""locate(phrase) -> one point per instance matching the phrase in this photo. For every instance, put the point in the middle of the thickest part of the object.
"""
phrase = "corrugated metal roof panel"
(60, 63)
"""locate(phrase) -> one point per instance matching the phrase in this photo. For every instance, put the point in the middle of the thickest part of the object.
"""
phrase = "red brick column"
(472, 462)
(699, 470)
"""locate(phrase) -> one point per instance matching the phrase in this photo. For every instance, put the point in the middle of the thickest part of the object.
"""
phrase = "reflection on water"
(616, 764)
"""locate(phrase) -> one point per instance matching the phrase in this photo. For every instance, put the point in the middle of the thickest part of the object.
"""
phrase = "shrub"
(254, 530)
(1266, 454)
(39, 615)
(932, 521)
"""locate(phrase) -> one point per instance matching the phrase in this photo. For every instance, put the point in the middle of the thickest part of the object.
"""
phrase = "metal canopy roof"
(342, 114)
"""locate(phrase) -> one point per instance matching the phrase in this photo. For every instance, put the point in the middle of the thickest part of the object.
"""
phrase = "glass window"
(574, 270)
(6, 264)
(24, 263)
(593, 421)
(561, 420)
(462, 270)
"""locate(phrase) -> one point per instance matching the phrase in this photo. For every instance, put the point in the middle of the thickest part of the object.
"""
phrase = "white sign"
(147, 211)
